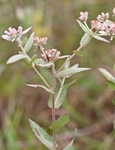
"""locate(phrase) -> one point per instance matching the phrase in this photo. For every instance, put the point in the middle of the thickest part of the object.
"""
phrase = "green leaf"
(26, 31)
(97, 37)
(42, 135)
(82, 26)
(29, 43)
(60, 101)
(15, 58)
(69, 146)
(40, 62)
(85, 39)
(70, 71)
(111, 84)
(60, 122)
(61, 98)
(107, 75)
(41, 86)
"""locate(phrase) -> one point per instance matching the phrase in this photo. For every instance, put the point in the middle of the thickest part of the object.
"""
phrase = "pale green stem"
(38, 73)
(34, 67)
(60, 90)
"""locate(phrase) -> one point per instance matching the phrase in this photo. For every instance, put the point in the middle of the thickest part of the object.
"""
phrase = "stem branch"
(38, 73)
(53, 105)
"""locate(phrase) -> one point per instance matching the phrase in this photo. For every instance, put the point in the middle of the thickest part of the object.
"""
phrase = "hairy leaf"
(69, 146)
(60, 122)
(70, 71)
(29, 43)
(100, 38)
(61, 98)
(41, 86)
(42, 135)
(40, 62)
(107, 75)
(85, 39)
(26, 31)
(15, 58)
(82, 26)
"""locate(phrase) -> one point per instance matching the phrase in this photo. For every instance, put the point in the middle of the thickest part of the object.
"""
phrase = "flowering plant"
(102, 29)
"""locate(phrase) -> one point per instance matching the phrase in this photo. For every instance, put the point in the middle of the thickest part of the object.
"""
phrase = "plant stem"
(53, 105)
(38, 73)
(69, 58)
(34, 67)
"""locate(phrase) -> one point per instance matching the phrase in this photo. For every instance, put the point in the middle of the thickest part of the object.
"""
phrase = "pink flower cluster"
(50, 55)
(103, 25)
(83, 16)
(42, 40)
(11, 34)
(103, 17)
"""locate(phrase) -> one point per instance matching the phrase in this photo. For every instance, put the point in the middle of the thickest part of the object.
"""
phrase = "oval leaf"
(60, 122)
(70, 71)
(60, 100)
(97, 37)
(40, 62)
(29, 43)
(15, 58)
(85, 39)
(42, 135)
(41, 86)
(107, 75)
(69, 146)
(82, 26)
(26, 31)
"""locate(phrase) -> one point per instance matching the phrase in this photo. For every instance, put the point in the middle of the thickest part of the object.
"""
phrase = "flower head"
(112, 29)
(50, 55)
(83, 16)
(42, 40)
(95, 25)
(103, 17)
(12, 34)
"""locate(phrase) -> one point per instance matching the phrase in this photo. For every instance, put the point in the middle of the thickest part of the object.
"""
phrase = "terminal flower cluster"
(11, 34)
(101, 26)
(40, 40)
(50, 55)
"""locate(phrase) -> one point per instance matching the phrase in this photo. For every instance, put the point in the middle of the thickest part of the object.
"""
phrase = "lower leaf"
(42, 135)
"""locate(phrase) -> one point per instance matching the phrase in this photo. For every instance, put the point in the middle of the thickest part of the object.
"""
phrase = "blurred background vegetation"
(89, 100)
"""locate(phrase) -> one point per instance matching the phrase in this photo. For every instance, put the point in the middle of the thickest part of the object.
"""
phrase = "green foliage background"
(89, 101)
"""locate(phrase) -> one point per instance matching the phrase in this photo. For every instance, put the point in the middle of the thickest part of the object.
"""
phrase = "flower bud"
(83, 16)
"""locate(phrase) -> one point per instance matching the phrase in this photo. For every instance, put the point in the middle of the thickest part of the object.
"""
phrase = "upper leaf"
(82, 26)
(69, 146)
(26, 31)
(85, 39)
(100, 38)
(42, 135)
(70, 71)
(40, 62)
(15, 58)
(107, 75)
(29, 43)
(41, 86)
(59, 100)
